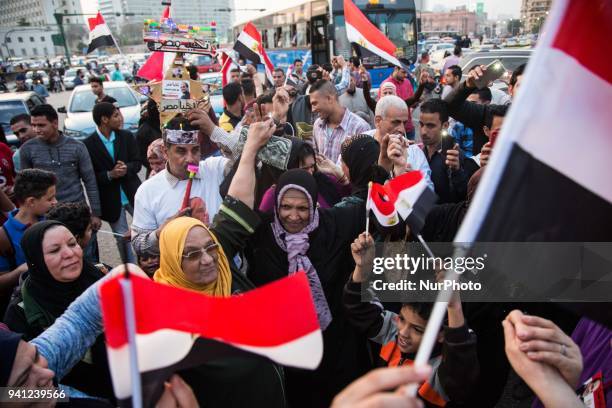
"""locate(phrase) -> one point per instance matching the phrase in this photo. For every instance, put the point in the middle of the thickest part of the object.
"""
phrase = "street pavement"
(109, 254)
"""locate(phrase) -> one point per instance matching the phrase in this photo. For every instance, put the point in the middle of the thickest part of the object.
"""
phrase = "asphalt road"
(109, 253)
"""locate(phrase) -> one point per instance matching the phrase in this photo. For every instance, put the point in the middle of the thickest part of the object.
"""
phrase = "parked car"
(70, 75)
(510, 58)
(79, 121)
(206, 63)
(42, 74)
(441, 46)
(15, 103)
(216, 96)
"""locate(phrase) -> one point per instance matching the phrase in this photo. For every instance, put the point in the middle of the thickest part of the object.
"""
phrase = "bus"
(303, 30)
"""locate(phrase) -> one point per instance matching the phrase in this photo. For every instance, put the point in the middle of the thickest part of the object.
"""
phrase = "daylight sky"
(492, 7)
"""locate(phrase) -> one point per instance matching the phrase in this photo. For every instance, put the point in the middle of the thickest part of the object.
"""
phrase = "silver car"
(79, 121)
(212, 82)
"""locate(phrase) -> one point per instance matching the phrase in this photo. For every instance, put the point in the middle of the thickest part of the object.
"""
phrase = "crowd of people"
(281, 187)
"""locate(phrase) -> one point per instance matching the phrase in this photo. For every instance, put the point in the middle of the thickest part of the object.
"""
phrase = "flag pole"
(113, 37)
(130, 320)
(368, 208)
(435, 321)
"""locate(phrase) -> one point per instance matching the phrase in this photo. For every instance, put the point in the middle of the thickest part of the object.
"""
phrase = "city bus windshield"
(398, 26)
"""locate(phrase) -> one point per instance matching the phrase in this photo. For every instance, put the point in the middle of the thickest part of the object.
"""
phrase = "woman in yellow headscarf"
(192, 258)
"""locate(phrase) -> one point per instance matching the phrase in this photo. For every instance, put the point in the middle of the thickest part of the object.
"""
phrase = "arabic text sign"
(178, 105)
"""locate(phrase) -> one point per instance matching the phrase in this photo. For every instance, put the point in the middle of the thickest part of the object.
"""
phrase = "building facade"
(26, 26)
(460, 21)
(183, 11)
(534, 13)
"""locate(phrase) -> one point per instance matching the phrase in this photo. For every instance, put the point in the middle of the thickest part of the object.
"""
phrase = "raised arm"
(243, 183)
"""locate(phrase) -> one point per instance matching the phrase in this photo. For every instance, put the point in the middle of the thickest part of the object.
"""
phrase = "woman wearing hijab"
(57, 275)
(156, 157)
(197, 258)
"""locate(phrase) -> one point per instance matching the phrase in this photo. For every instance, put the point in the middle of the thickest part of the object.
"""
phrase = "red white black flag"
(99, 33)
(362, 32)
(250, 46)
(542, 183)
(277, 321)
(406, 195)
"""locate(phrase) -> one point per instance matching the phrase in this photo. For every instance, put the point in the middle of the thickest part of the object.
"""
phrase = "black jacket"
(126, 150)
(471, 114)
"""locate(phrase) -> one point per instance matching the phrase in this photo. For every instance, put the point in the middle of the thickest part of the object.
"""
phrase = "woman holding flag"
(194, 257)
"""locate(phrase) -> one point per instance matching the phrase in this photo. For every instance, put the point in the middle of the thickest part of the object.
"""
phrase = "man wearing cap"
(159, 199)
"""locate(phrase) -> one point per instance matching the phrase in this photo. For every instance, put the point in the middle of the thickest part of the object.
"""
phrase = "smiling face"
(294, 211)
(410, 329)
(62, 254)
(200, 265)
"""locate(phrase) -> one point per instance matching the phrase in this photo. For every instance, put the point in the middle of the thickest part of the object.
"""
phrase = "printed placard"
(172, 89)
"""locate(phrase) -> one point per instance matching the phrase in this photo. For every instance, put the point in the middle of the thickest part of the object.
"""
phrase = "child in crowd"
(35, 194)
(454, 359)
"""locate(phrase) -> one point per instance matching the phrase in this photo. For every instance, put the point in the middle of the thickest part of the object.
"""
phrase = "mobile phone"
(448, 142)
(494, 71)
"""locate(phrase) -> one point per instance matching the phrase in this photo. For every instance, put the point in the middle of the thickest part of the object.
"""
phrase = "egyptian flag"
(406, 195)
(177, 329)
(548, 178)
(362, 32)
(249, 45)
(99, 33)
(227, 64)
(158, 63)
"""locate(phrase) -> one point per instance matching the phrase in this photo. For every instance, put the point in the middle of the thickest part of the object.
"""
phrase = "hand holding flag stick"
(193, 170)
(368, 208)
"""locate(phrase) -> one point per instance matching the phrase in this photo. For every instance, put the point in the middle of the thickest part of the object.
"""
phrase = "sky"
(492, 7)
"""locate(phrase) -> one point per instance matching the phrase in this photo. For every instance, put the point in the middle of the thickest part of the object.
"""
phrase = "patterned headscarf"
(296, 245)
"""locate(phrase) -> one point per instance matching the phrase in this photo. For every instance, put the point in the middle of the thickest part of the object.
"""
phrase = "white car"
(42, 74)
(79, 122)
(442, 46)
(216, 95)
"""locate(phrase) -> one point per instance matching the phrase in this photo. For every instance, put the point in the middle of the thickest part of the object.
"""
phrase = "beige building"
(534, 13)
(460, 21)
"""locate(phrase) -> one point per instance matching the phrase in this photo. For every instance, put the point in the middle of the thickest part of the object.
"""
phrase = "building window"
(42, 39)
(35, 50)
(23, 52)
(46, 51)
(31, 39)
(8, 39)
(19, 39)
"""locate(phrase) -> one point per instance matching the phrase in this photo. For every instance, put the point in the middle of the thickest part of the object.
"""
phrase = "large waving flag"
(362, 32)
(249, 45)
(99, 33)
(177, 329)
(158, 63)
(406, 195)
(541, 182)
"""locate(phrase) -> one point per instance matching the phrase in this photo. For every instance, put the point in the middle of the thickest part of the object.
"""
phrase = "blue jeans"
(121, 227)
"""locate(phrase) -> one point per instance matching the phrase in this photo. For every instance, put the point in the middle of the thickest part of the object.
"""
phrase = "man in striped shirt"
(335, 123)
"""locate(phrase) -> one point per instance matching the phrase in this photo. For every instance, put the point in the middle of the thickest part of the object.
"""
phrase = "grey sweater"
(69, 160)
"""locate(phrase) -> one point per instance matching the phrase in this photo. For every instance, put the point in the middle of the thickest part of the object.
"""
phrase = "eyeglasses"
(212, 250)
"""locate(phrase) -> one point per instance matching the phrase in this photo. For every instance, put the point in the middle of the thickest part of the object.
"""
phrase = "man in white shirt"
(390, 119)
(160, 198)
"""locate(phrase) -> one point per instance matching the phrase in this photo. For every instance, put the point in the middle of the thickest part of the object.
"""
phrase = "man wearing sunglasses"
(22, 128)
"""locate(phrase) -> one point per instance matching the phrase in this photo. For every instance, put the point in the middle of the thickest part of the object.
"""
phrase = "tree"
(131, 34)
(75, 33)
(537, 26)
(514, 27)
